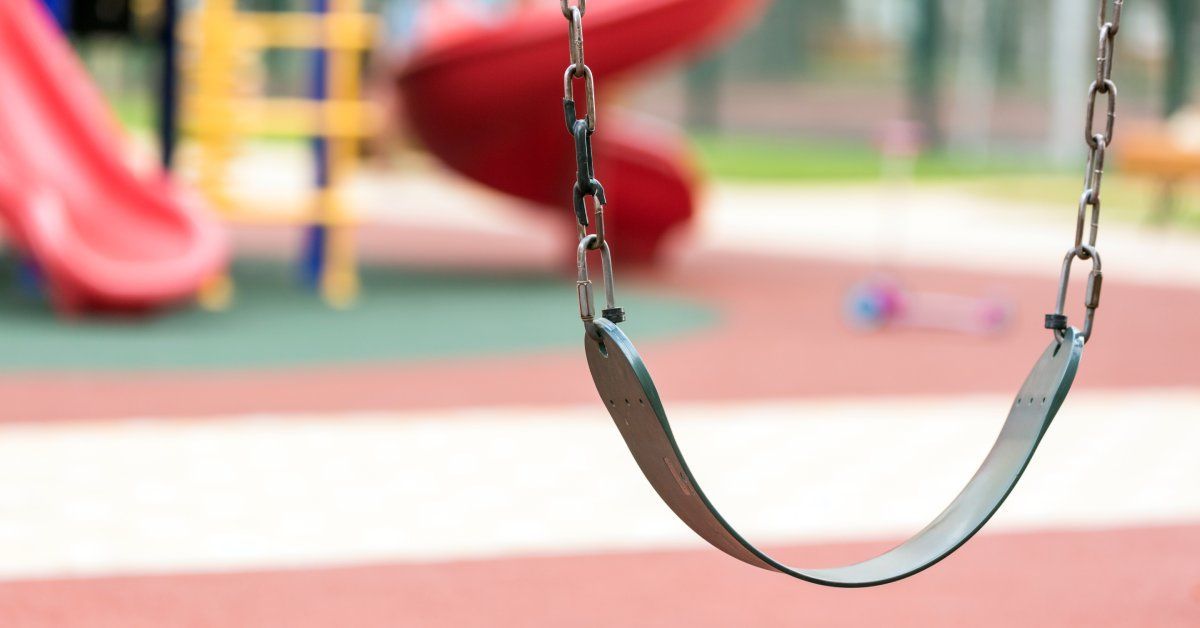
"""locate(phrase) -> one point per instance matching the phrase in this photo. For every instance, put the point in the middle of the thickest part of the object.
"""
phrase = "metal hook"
(1058, 320)
(587, 307)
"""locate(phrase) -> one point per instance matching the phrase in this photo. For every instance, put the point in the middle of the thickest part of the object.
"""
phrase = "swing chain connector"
(587, 306)
(586, 184)
(1091, 301)
(1087, 221)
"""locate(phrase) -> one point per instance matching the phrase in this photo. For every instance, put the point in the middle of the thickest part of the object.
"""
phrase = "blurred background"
(289, 334)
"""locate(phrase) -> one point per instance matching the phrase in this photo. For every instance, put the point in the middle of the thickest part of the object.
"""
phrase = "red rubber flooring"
(781, 335)
(1135, 578)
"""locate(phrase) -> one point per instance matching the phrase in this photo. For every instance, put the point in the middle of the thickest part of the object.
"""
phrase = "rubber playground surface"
(436, 456)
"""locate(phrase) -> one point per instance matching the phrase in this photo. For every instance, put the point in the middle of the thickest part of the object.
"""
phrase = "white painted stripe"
(934, 226)
(275, 491)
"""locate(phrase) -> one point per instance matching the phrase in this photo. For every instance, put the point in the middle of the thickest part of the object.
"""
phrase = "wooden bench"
(1157, 152)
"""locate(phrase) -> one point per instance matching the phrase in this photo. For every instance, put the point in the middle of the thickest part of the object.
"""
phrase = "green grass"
(770, 160)
(1125, 198)
(404, 316)
(136, 114)
(765, 160)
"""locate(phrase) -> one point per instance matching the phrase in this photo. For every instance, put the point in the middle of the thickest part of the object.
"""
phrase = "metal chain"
(1089, 202)
(586, 184)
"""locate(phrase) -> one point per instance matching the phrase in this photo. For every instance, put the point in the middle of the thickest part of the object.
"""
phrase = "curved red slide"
(103, 236)
(487, 100)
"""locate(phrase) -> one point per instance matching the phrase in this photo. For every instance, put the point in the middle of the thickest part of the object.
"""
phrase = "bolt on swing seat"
(628, 391)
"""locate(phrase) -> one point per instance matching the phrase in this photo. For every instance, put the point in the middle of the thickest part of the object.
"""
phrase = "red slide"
(486, 98)
(103, 236)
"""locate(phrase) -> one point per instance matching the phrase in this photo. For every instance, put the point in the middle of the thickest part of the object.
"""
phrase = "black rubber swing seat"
(628, 391)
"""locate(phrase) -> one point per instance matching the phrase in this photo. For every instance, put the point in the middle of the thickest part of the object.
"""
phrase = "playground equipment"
(881, 304)
(100, 235)
(469, 93)
(629, 393)
(335, 118)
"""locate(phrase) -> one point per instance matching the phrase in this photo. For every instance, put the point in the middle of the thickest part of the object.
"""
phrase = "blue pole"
(30, 279)
(168, 106)
(313, 257)
(61, 10)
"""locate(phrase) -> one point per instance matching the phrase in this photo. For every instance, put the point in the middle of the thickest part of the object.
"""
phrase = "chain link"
(575, 33)
(581, 5)
(589, 94)
(587, 186)
(1108, 89)
(1088, 220)
(1115, 22)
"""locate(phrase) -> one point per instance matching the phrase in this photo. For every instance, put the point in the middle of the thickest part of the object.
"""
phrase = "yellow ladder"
(223, 40)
